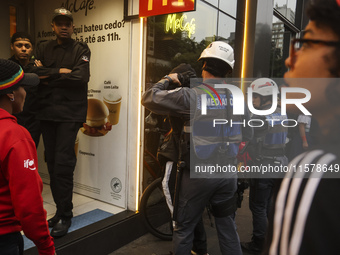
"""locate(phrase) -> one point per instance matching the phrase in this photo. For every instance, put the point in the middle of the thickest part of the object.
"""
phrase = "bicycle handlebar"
(156, 130)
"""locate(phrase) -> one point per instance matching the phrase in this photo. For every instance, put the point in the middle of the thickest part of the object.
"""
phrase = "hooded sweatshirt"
(21, 203)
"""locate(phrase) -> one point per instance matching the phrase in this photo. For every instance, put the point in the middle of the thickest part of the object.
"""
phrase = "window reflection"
(205, 17)
(229, 7)
(226, 29)
(167, 49)
(213, 2)
(279, 48)
(287, 8)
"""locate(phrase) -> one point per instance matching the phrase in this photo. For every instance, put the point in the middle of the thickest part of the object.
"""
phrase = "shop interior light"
(141, 31)
(245, 44)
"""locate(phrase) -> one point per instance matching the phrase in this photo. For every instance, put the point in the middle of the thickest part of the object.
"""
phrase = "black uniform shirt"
(63, 97)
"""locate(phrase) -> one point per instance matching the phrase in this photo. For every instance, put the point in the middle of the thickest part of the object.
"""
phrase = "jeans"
(260, 200)
(11, 244)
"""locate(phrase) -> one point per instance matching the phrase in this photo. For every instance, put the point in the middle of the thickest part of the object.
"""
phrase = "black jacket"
(63, 97)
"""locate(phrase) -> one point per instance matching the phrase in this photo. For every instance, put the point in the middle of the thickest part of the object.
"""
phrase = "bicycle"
(153, 206)
(155, 211)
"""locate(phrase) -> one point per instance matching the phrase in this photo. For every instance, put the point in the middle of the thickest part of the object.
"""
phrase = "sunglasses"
(298, 44)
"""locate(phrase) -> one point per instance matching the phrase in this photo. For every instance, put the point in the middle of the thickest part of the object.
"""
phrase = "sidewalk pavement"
(150, 245)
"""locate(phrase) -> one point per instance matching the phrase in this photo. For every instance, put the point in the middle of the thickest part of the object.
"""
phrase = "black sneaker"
(54, 220)
(61, 228)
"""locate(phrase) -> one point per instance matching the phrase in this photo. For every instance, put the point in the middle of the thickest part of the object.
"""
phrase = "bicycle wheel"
(155, 212)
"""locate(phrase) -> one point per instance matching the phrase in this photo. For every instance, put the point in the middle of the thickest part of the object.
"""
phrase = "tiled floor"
(81, 204)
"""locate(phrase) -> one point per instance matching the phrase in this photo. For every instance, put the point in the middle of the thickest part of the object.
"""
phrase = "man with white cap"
(267, 149)
(207, 145)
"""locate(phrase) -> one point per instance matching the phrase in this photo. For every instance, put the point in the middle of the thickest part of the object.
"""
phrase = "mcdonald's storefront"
(134, 43)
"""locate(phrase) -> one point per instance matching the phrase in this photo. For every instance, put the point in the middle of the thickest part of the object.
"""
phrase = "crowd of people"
(56, 108)
(295, 213)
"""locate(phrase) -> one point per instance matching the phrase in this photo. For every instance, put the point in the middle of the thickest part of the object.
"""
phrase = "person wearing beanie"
(22, 48)
(65, 63)
(21, 203)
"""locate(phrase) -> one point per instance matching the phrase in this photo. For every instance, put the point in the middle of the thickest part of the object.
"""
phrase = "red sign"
(158, 7)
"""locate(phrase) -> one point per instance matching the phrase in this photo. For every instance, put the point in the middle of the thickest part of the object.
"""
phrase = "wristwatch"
(167, 77)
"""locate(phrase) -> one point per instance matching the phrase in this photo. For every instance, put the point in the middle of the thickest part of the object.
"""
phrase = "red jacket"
(21, 203)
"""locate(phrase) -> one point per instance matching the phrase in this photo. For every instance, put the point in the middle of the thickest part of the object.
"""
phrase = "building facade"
(130, 53)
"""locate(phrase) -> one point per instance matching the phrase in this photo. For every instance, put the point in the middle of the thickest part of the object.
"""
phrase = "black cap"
(12, 76)
(62, 12)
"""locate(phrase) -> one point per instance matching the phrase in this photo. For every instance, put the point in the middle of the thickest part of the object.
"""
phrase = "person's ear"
(10, 96)
(52, 26)
(12, 46)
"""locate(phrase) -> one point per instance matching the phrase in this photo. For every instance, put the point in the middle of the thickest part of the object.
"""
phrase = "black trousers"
(33, 126)
(59, 140)
(11, 244)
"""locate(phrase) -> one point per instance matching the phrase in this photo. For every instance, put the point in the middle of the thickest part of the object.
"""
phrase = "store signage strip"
(158, 7)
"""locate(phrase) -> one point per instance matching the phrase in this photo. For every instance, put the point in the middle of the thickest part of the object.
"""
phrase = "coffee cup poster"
(101, 156)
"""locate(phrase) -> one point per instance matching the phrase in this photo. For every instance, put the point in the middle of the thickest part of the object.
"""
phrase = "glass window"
(226, 29)
(205, 19)
(182, 43)
(229, 6)
(287, 8)
(279, 48)
(213, 2)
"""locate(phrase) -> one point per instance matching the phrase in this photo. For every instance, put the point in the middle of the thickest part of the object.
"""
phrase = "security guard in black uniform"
(63, 65)
(266, 149)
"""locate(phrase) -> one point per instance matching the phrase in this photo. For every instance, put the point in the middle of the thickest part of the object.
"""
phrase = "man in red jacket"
(21, 204)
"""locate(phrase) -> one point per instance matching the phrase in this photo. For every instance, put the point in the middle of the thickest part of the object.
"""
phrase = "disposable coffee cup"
(113, 101)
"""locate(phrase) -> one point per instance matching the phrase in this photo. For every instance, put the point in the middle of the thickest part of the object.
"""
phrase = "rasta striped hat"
(12, 76)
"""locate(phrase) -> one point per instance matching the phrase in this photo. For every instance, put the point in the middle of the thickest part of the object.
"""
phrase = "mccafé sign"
(158, 7)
